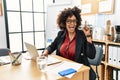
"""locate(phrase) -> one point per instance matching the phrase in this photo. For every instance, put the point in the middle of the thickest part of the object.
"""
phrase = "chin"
(72, 31)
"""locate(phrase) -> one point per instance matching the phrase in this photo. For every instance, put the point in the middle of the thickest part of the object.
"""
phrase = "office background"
(92, 19)
(26, 22)
(30, 15)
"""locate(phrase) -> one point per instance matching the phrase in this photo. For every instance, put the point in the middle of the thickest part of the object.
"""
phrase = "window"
(25, 22)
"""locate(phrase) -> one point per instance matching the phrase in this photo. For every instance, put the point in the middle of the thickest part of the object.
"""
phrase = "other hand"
(86, 30)
(45, 53)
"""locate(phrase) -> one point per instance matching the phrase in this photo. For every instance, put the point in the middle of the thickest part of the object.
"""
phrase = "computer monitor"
(117, 28)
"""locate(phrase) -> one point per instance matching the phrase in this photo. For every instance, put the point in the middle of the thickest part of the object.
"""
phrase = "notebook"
(34, 54)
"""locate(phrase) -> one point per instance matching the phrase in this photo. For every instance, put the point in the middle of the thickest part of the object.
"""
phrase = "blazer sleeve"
(91, 50)
(53, 46)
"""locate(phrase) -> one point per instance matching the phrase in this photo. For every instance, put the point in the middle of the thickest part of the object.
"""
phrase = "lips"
(71, 27)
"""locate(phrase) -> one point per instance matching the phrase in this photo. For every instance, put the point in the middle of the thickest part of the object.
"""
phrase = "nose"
(72, 22)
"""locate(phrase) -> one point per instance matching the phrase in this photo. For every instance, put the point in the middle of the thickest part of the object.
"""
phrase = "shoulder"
(61, 32)
(80, 32)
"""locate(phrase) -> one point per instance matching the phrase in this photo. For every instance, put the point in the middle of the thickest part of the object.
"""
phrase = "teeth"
(71, 27)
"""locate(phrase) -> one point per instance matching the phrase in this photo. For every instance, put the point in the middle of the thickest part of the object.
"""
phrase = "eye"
(70, 21)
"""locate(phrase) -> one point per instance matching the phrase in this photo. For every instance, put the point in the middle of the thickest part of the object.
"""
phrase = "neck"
(71, 35)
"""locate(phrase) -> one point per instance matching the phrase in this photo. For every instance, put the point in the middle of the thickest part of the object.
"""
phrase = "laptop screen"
(32, 50)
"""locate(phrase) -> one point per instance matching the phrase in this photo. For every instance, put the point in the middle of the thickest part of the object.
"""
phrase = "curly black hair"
(62, 17)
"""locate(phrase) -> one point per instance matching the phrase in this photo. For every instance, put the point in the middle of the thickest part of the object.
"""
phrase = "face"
(71, 23)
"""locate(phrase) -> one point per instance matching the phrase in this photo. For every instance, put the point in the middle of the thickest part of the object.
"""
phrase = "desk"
(28, 71)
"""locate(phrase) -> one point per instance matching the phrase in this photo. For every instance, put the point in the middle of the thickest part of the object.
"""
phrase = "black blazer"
(83, 50)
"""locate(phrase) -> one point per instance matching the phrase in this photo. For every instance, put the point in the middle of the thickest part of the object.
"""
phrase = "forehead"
(71, 17)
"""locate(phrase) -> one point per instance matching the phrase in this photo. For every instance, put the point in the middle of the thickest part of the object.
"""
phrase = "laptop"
(32, 51)
(34, 54)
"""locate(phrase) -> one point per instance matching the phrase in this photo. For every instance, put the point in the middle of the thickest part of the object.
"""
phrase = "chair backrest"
(4, 51)
(98, 57)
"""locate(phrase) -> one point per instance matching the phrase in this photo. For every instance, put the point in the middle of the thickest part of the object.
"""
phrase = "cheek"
(67, 26)
(75, 24)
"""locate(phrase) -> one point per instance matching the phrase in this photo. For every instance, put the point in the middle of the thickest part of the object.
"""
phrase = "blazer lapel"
(78, 45)
(62, 37)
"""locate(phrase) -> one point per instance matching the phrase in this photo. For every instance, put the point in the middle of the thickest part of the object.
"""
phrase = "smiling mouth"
(72, 27)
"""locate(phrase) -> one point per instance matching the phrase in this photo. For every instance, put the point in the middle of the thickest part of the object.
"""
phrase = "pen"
(11, 54)
(43, 53)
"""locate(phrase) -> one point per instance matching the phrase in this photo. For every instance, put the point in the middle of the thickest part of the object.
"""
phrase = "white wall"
(76, 3)
(63, 1)
(72, 2)
(2, 33)
(3, 43)
(116, 16)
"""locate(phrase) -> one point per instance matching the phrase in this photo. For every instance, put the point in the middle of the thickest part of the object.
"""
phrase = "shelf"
(103, 62)
(113, 43)
(118, 67)
(107, 68)
(107, 42)
(107, 64)
(98, 41)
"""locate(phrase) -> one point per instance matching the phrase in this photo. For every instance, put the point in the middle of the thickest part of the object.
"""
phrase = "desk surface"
(28, 71)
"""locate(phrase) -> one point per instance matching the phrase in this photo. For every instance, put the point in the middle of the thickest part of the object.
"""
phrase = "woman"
(70, 42)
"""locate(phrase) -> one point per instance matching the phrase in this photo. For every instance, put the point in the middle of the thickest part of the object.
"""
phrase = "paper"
(51, 60)
(86, 8)
(65, 65)
(105, 5)
(4, 60)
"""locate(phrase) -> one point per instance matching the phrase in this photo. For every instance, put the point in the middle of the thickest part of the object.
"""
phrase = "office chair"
(4, 51)
(97, 60)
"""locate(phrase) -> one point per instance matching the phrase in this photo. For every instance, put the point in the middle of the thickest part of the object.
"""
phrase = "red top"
(67, 49)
